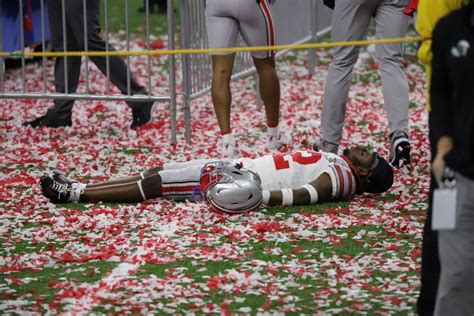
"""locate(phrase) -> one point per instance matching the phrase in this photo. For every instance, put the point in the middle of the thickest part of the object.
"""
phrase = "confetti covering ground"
(159, 256)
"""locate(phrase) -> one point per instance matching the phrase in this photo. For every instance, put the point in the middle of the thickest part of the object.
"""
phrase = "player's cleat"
(399, 149)
(142, 113)
(59, 189)
(322, 145)
(273, 143)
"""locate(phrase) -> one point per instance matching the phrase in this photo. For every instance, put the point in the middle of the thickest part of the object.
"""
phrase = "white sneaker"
(275, 144)
(230, 150)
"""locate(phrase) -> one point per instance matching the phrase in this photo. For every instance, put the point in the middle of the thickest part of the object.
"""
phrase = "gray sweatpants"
(456, 252)
(74, 34)
(350, 22)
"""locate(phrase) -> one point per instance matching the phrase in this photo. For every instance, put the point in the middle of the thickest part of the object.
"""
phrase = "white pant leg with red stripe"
(180, 181)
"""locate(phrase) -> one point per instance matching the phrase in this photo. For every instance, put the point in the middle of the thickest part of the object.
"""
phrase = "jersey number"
(303, 158)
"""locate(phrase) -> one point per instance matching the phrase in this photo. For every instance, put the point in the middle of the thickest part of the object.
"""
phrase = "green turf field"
(158, 257)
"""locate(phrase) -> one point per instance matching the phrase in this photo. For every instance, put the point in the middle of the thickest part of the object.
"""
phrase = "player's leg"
(392, 23)
(222, 31)
(137, 191)
(220, 91)
(142, 175)
(269, 86)
(59, 188)
(258, 29)
(114, 66)
(175, 184)
(269, 89)
(150, 172)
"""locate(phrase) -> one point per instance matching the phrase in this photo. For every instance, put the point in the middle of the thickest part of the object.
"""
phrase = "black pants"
(430, 265)
(74, 36)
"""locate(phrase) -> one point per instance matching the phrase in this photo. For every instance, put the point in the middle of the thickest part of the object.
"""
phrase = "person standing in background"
(350, 22)
(428, 14)
(452, 128)
(254, 21)
(73, 34)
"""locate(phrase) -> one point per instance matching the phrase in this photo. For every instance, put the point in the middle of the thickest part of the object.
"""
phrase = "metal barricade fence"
(297, 22)
(27, 92)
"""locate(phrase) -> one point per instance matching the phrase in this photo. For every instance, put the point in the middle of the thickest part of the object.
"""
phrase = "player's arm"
(316, 191)
(336, 183)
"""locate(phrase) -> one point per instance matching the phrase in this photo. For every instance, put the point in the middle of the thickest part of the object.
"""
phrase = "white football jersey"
(294, 170)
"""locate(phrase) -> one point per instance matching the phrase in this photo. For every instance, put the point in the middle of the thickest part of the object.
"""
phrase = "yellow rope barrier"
(209, 51)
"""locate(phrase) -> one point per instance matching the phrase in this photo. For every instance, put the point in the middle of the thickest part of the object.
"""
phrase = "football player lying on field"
(240, 185)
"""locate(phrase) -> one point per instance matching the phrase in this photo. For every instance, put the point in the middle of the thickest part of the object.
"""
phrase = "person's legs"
(349, 22)
(221, 96)
(258, 29)
(117, 66)
(120, 75)
(127, 192)
(142, 175)
(155, 170)
(176, 181)
(221, 99)
(270, 93)
(60, 189)
(60, 113)
(391, 23)
(222, 31)
(269, 89)
(137, 188)
(456, 252)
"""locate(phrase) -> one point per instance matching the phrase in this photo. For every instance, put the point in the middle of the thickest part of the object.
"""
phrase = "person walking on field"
(350, 22)
(73, 35)
(254, 21)
(429, 12)
(452, 128)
